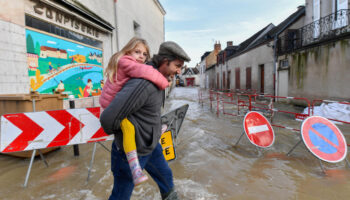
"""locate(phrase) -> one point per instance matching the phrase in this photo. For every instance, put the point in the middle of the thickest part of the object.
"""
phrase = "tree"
(30, 44)
(37, 48)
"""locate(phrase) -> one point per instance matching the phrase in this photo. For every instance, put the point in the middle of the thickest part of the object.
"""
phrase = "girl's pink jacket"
(128, 68)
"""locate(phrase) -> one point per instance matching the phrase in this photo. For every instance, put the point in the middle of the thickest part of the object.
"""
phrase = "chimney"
(229, 43)
(217, 46)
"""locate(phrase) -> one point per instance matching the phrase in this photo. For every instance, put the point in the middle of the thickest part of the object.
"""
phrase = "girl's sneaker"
(139, 177)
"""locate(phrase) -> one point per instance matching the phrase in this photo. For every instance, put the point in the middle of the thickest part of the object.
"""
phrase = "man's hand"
(170, 80)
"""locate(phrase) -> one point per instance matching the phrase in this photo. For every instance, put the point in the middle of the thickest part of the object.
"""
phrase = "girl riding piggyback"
(123, 65)
(129, 63)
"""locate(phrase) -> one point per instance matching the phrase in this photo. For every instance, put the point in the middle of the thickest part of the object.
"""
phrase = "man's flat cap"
(172, 49)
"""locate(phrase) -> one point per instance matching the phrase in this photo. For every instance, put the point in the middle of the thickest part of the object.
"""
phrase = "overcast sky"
(197, 24)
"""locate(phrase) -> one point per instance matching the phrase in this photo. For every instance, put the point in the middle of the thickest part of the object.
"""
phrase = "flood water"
(208, 165)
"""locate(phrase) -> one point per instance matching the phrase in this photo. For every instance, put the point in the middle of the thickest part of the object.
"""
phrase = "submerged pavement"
(208, 165)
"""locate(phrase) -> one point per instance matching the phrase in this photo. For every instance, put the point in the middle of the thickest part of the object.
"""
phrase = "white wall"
(320, 72)
(105, 9)
(202, 78)
(148, 15)
(13, 59)
(262, 55)
(283, 76)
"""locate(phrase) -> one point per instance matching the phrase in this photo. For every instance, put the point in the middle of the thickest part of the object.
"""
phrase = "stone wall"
(321, 72)
(13, 60)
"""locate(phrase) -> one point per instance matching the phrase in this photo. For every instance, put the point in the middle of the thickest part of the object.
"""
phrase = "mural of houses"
(56, 30)
(78, 58)
(32, 60)
(94, 56)
(46, 51)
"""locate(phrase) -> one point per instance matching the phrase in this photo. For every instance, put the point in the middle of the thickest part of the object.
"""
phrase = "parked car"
(180, 82)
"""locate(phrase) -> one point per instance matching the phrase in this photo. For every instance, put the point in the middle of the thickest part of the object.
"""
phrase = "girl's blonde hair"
(111, 70)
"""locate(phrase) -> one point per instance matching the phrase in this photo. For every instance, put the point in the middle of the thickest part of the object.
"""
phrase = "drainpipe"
(275, 46)
(163, 28)
(275, 66)
(116, 24)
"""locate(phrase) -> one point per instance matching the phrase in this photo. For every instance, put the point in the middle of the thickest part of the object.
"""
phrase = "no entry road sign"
(258, 129)
(323, 139)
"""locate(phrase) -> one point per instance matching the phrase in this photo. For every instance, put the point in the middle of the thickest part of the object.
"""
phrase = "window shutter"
(316, 17)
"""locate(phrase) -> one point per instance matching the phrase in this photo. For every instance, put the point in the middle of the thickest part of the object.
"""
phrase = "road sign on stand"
(166, 140)
(258, 129)
(37, 130)
(323, 139)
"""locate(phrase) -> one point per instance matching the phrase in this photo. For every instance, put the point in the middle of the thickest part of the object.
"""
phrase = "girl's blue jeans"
(154, 163)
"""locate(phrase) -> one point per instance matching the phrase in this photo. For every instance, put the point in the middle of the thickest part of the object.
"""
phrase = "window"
(284, 64)
(229, 80)
(316, 17)
(340, 13)
(137, 29)
(248, 73)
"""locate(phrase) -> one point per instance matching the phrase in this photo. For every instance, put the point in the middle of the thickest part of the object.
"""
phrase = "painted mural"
(58, 65)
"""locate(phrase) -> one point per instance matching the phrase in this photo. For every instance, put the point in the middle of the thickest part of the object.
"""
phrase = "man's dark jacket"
(140, 101)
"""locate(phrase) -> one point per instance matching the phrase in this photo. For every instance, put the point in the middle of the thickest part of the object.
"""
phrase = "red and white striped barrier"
(37, 130)
(248, 102)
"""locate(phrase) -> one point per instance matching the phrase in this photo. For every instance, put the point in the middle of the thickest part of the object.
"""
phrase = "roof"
(76, 6)
(268, 33)
(45, 48)
(275, 31)
(190, 71)
(160, 7)
(210, 67)
(205, 55)
(287, 22)
(243, 46)
(230, 50)
(263, 37)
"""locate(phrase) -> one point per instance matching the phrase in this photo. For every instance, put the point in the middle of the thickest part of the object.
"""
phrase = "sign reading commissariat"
(63, 18)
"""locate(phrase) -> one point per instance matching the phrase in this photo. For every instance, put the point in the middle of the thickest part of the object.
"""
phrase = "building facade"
(210, 63)
(252, 70)
(223, 72)
(313, 57)
(45, 42)
(251, 66)
(144, 19)
(203, 79)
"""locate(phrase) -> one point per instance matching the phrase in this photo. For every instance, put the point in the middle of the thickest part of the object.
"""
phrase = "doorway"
(238, 80)
(262, 78)
(223, 80)
(217, 81)
(248, 79)
(229, 80)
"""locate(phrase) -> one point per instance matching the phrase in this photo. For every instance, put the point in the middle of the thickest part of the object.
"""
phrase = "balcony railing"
(327, 28)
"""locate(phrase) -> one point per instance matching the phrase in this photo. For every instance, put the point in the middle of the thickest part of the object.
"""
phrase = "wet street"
(208, 165)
